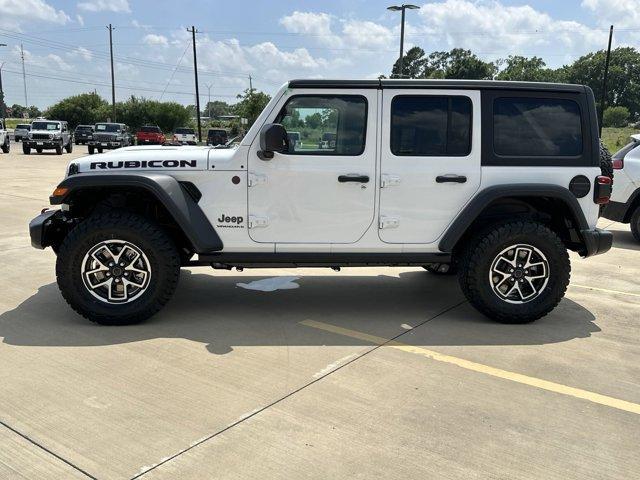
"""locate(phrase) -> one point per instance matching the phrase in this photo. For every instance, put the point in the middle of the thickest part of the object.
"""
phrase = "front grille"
(104, 137)
(41, 136)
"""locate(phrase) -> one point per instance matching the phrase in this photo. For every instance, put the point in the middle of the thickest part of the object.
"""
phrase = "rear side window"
(536, 127)
(150, 129)
(430, 126)
(620, 154)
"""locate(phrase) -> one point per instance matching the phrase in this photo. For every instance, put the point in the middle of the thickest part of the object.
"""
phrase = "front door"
(322, 190)
(430, 161)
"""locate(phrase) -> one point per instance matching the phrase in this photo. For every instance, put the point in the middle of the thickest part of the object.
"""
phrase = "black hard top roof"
(429, 83)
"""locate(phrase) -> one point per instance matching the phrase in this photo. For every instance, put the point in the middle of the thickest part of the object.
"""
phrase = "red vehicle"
(149, 135)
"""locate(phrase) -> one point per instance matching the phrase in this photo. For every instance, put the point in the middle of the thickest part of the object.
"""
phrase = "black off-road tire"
(476, 264)
(606, 162)
(38, 150)
(59, 150)
(635, 224)
(26, 149)
(91, 150)
(6, 147)
(164, 262)
(99, 150)
(441, 268)
(69, 147)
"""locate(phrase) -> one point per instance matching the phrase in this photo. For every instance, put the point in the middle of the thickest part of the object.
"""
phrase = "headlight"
(118, 137)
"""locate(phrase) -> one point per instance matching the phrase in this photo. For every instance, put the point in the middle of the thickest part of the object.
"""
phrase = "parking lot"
(366, 373)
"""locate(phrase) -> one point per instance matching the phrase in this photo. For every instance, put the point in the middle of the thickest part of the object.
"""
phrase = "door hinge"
(258, 222)
(255, 179)
(389, 181)
(389, 222)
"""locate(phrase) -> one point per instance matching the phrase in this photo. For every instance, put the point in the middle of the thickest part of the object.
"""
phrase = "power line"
(174, 71)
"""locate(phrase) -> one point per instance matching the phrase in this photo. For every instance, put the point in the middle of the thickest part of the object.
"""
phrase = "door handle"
(450, 178)
(353, 178)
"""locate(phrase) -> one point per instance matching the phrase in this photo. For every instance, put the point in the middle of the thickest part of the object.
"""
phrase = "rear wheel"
(99, 150)
(635, 224)
(117, 268)
(515, 272)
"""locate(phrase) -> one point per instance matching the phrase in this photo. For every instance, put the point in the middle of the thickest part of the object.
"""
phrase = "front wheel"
(515, 272)
(90, 150)
(6, 148)
(117, 268)
(26, 149)
(69, 147)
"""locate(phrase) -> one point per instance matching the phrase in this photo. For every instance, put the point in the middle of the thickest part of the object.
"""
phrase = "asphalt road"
(367, 373)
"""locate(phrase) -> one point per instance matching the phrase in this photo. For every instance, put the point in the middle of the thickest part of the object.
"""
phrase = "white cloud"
(137, 24)
(156, 40)
(105, 6)
(81, 52)
(365, 34)
(490, 26)
(15, 12)
(267, 53)
(622, 13)
(80, 20)
(313, 24)
(51, 62)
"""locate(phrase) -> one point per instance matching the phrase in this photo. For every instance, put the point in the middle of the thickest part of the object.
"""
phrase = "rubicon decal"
(144, 164)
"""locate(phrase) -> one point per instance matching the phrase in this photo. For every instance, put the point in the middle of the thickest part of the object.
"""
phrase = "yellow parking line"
(478, 367)
(617, 292)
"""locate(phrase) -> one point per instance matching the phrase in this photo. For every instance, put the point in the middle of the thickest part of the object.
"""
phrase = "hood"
(145, 158)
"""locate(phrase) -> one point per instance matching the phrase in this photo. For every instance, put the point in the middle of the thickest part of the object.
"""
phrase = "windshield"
(150, 129)
(185, 131)
(45, 126)
(23, 127)
(83, 128)
(107, 127)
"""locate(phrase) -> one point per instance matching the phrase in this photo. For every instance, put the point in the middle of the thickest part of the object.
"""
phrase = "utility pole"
(24, 78)
(402, 8)
(193, 32)
(209, 85)
(113, 79)
(603, 100)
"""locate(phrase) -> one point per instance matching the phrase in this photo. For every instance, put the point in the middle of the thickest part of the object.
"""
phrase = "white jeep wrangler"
(625, 198)
(5, 142)
(496, 180)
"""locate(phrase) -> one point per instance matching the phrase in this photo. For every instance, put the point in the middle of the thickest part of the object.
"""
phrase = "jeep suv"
(48, 135)
(83, 134)
(5, 142)
(108, 136)
(625, 198)
(495, 180)
(21, 131)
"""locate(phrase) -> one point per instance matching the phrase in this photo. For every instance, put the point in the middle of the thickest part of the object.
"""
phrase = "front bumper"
(44, 144)
(105, 145)
(596, 241)
(47, 228)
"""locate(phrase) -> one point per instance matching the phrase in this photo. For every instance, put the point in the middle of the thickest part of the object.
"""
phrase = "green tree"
(413, 64)
(217, 109)
(77, 110)
(616, 117)
(313, 121)
(623, 88)
(17, 111)
(251, 104)
(519, 68)
(458, 64)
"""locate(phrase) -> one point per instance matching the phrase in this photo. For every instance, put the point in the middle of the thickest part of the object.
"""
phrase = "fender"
(622, 212)
(178, 201)
(475, 207)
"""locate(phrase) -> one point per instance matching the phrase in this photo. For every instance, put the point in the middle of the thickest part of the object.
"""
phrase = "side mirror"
(273, 138)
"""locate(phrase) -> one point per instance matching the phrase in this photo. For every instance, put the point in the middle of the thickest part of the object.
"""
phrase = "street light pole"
(209, 85)
(402, 8)
(3, 111)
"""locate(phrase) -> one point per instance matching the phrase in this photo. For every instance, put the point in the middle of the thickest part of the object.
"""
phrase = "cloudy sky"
(66, 42)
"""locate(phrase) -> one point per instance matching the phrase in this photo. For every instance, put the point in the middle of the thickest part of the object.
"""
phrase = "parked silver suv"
(48, 135)
(21, 131)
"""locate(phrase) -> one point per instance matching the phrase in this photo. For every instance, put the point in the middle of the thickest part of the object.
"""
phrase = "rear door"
(430, 161)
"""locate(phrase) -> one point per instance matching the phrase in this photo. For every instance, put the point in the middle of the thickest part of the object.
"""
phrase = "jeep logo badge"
(230, 222)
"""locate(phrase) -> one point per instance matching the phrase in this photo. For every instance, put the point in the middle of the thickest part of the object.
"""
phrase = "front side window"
(325, 124)
(536, 127)
(429, 126)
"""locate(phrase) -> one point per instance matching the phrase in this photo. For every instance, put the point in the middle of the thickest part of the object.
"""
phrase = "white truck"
(497, 180)
(5, 142)
(624, 206)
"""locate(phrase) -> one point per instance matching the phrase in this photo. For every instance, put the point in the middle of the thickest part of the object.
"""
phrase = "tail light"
(618, 163)
(602, 191)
